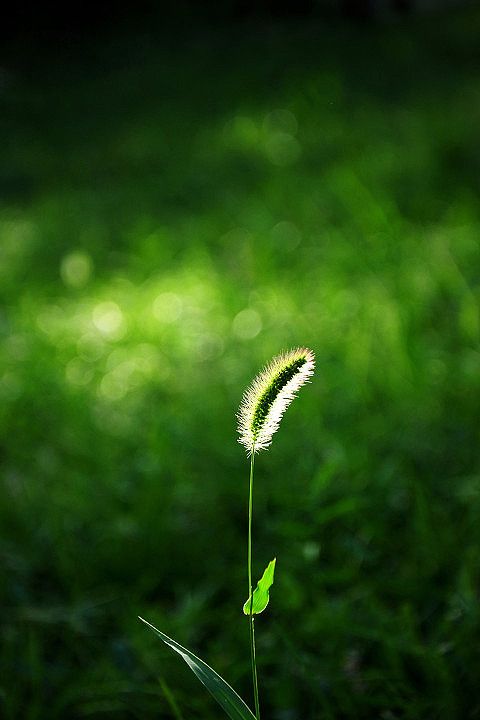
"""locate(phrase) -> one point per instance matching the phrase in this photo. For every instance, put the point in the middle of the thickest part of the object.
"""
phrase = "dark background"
(185, 192)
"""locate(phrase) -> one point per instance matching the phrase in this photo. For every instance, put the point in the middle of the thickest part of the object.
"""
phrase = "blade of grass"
(170, 698)
(223, 693)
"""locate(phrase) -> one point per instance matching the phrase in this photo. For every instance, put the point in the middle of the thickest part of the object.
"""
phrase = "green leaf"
(225, 695)
(261, 594)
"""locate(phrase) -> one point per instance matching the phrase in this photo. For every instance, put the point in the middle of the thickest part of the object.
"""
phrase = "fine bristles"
(269, 395)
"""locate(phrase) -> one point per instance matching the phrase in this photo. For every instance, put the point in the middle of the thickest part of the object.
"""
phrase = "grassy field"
(175, 210)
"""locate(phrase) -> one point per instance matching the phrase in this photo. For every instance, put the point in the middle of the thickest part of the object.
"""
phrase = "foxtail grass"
(261, 410)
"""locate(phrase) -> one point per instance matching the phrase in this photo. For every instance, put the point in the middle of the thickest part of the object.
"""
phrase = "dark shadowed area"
(182, 196)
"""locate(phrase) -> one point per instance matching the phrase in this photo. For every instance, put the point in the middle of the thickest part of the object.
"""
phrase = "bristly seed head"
(269, 395)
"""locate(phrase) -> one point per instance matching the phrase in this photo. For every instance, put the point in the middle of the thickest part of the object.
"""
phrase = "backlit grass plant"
(261, 410)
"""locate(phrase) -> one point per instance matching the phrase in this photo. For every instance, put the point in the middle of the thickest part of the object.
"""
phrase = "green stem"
(250, 590)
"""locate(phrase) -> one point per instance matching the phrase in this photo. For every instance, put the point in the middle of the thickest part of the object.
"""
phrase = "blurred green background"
(177, 206)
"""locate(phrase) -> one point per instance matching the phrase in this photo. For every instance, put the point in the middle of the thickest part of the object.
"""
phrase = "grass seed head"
(269, 395)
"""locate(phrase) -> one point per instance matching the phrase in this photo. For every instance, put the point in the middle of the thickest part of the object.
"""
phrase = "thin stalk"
(250, 590)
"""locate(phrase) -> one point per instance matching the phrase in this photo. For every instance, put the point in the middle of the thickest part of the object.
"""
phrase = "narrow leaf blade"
(223, 693)
(261, 594)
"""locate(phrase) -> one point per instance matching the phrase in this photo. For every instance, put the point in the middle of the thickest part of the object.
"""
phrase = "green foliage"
(261, 594)
(173, 211)
(225, 695)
